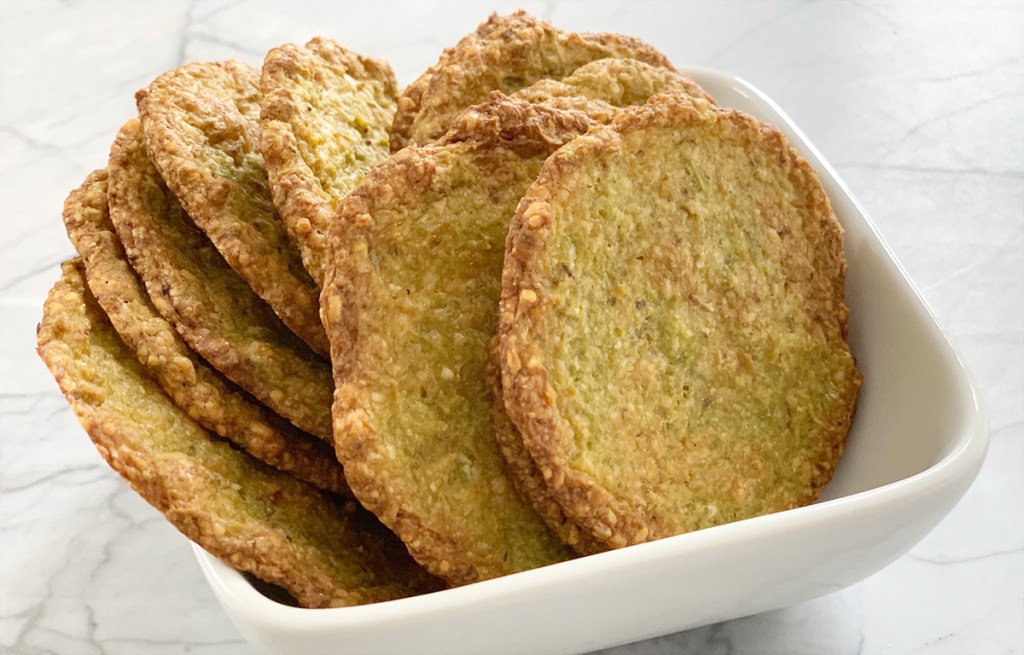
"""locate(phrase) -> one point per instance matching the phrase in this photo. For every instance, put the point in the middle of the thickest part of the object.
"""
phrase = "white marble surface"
(919, 105)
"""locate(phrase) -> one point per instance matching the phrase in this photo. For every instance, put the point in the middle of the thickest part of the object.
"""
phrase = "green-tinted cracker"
(673, 324)
(324, 124)
(203, 394)
(201, 123)
(410, 307)
(600, 89)
(523, 472)
(212, 308)
(255, 518)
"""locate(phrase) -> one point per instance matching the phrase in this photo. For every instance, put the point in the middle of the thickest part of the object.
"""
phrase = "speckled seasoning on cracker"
(672, 330)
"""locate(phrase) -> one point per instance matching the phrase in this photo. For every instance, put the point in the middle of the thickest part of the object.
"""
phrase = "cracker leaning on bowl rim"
(599, 89)
(688, 367)
(257, 519)
(197, 389)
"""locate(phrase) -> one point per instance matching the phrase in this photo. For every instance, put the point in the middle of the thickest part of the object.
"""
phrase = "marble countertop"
(920, 106)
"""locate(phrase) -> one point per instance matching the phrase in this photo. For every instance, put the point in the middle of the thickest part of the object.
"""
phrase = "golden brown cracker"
(203, 394)
(209, 305)
(412, 95)
(253, 517)
(618, 81)
(508, 59)
(673, 324)
(201, 123)
(326, 112)
(410, 306)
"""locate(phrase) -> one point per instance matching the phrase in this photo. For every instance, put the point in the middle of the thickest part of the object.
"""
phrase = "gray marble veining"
(920, 106)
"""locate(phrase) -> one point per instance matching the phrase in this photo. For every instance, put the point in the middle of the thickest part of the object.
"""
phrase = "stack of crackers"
(547, 301)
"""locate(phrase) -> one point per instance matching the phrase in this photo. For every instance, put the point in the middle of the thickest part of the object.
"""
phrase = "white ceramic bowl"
(917, 443)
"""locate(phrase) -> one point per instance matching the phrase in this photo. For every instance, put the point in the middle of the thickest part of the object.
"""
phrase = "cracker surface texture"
(672, 327)
(203, 394)
(326, 112)
(210, 306)
(256, 519)
(201, 123)
(410, 308)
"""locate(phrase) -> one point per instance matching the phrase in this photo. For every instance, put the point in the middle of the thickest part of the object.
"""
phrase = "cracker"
(326, 112)
(256, 519)
(410, 306)
(672, 326)
(203, 394)
(509, 59)
(210, 306)
(617, 81)
(202, 130)
(412, 96)
(600, 89)
(522, 471)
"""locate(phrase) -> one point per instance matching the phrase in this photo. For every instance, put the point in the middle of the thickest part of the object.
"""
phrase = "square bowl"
(918, 441)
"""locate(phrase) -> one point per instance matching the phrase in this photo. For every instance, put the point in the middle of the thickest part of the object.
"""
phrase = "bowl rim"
(957, 468)
(254, 606)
